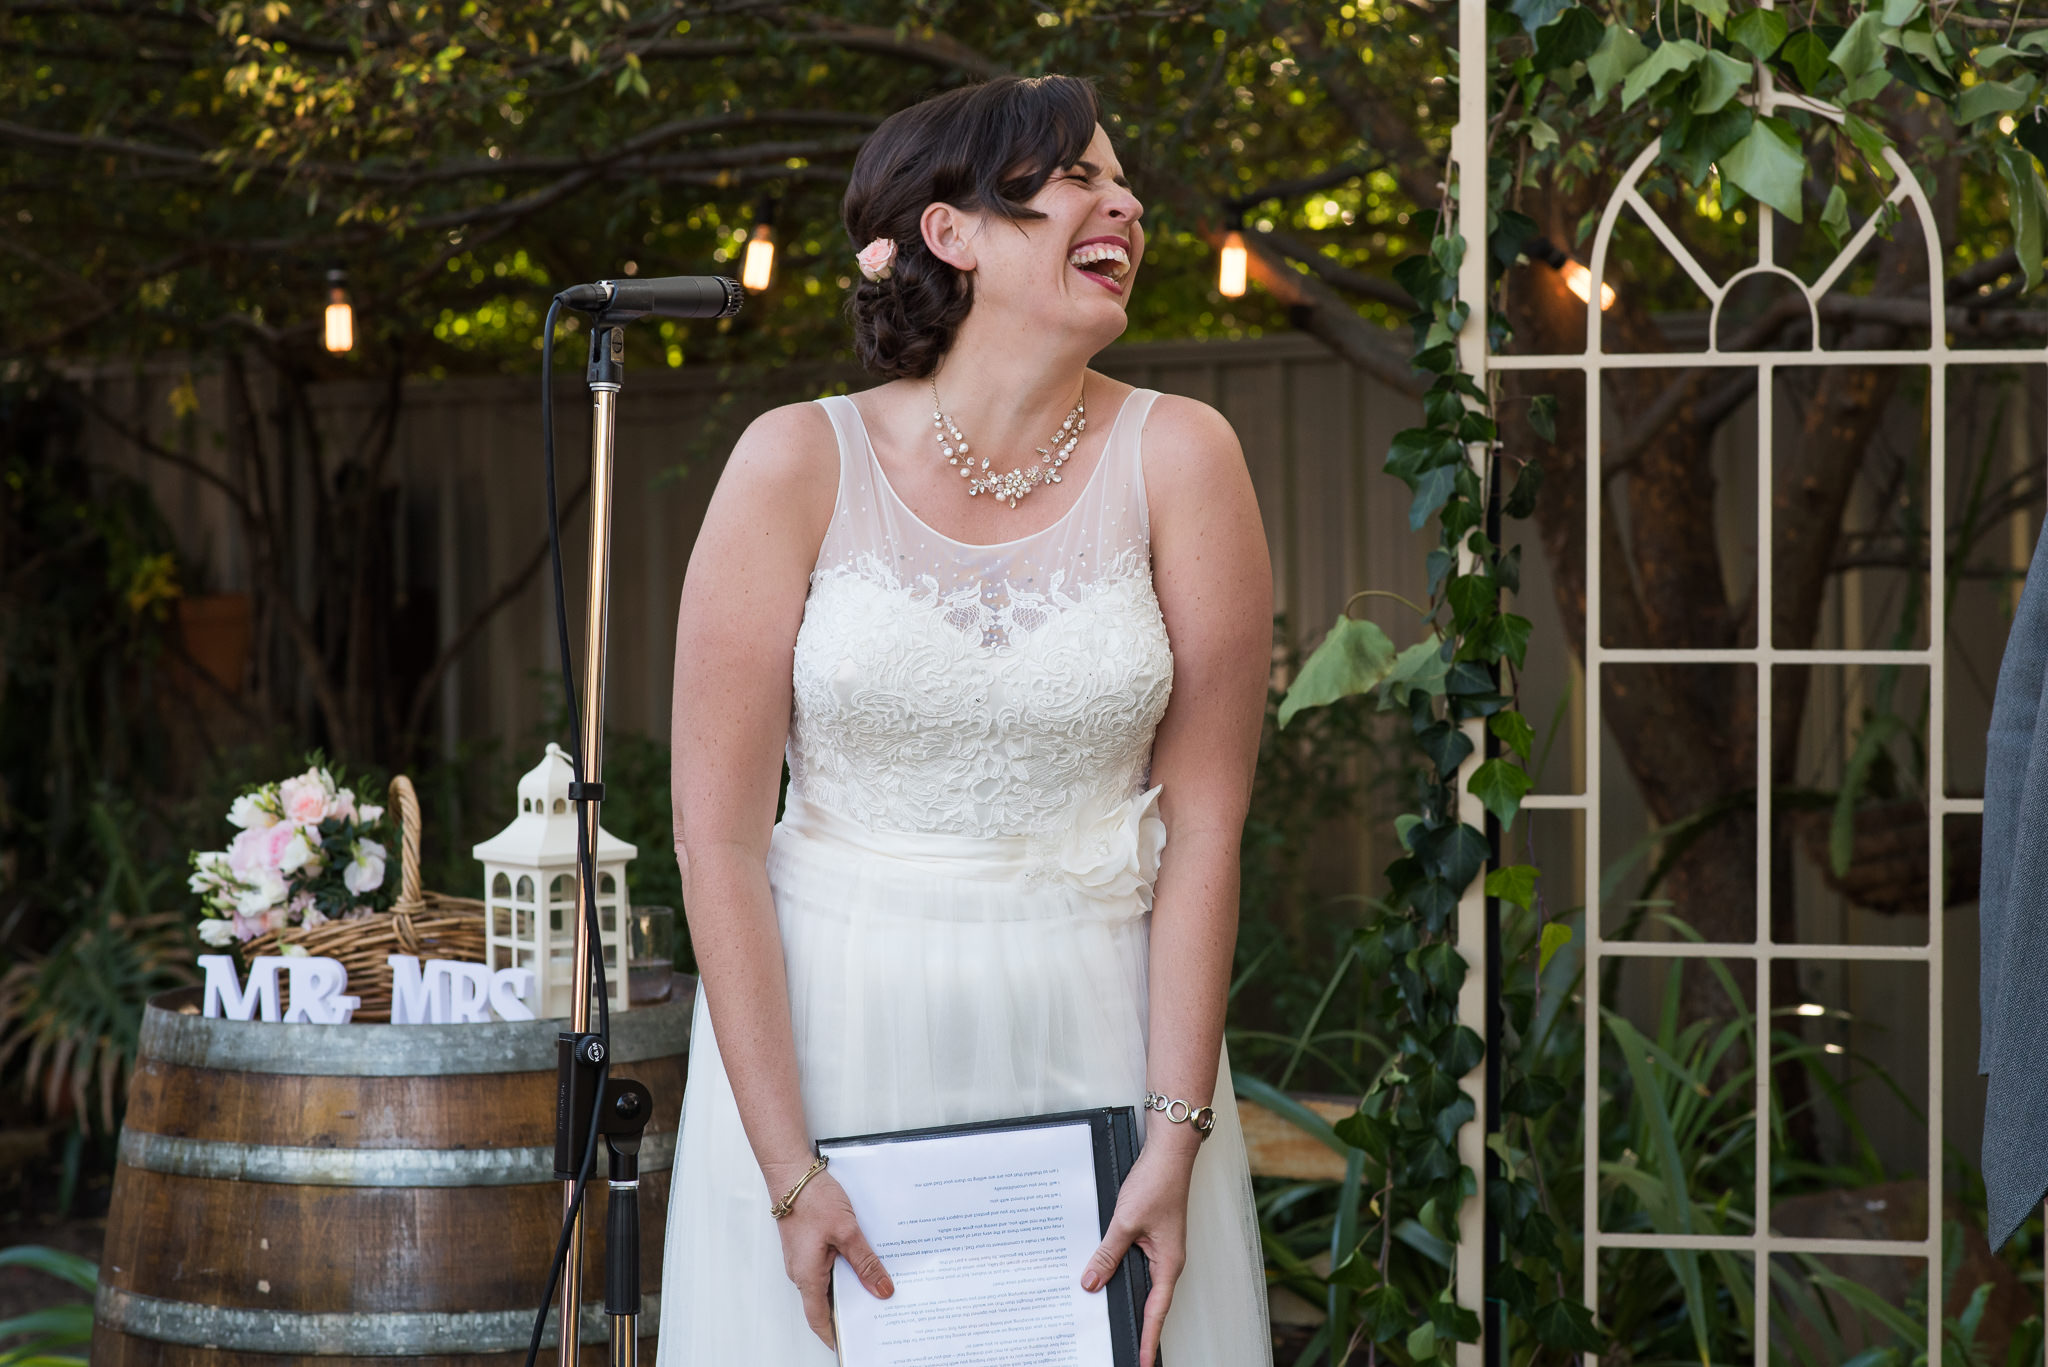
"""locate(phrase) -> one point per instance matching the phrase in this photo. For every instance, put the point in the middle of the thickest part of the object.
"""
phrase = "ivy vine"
(1570, 84)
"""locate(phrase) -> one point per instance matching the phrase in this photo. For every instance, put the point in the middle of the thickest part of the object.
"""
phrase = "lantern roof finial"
(544, 832)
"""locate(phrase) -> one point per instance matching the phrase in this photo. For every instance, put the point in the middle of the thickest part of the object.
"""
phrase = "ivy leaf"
(1514, 884)
(1513, 637)
(1512, 231)
(1619, 53)
(1420, 668)
(1899, 13)
(1716, 11)
(1543, 416)
(1473, 598)
(1697, 141)
(1354, 657)
(1532, 1094)
(1537, 14)
(1568, 1325)
(1446, 746)
(1522, 498)
(1768, 165)
(1382, 1312)
(1500, 786)
(1721, 77)
(1432, 489)
(1507, 571)
(1458, 853)
(2028, 202)
(1834, 216)
(1542, 137)
(1988, 58)
(1861, 49)
(1870, 141)
(1986, 98)
(1674, 58)
(1573, 36)
(1368, 1132)
(2032, 130)
(1759, 31)
(1514, 731)
(1556, 936)
(1807, 55)
(1422, 1342)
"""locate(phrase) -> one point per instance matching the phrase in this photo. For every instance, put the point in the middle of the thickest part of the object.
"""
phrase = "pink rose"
(304, 799)
(249, 853)
(876, 259)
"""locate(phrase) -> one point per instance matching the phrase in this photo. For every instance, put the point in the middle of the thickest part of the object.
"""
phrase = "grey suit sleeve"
(2013, 918)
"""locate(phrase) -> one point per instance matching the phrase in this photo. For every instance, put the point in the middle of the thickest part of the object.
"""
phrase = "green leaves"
(1513, 883)
(1354, 657)
(1987, 98)
(1721, 77)
(1768, 165)
(1619, 53)
(1861, 49)
(1807, 56)
(1556, 935)
(1760, 32)
(2028, 201)
(1500, 787)
(1674, 58)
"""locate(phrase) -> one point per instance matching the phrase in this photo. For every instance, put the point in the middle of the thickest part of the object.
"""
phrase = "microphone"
(669, 296)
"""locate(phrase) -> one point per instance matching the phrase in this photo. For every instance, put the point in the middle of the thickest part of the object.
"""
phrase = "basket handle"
(408, 804)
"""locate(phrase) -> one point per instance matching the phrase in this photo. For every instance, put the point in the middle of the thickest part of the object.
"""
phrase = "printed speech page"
(985, 1235)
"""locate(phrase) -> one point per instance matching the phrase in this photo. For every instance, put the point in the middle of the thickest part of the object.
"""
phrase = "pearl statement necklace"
(1017, 482)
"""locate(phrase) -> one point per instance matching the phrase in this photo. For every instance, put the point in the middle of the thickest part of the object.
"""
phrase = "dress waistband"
(1111, 859)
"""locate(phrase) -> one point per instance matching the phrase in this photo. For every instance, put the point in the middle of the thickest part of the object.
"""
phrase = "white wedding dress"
(962, 876)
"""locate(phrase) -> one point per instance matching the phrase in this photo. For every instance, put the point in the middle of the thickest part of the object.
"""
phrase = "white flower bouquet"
(308, 852)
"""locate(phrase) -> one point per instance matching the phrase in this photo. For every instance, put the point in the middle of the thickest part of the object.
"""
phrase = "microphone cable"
(568, 1345)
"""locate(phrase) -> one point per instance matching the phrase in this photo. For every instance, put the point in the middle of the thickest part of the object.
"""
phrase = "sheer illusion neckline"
(1087, 488)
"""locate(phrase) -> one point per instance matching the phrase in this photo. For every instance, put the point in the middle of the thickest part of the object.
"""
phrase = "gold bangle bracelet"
(788, 1203)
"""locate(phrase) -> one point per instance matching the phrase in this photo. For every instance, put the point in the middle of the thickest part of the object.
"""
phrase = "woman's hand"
(819, 1230)
(1151, 1212)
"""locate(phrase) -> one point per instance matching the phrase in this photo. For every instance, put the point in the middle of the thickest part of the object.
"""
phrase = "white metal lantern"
(530, 891)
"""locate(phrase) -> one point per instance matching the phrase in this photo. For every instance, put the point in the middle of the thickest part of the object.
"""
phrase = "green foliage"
(42, 1338)
(75, 1013)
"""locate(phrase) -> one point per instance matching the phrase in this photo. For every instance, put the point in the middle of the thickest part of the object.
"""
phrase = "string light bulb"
(341, 317)
(1577, 278)
(1231, 265)
(758, 265)
(1579, 281)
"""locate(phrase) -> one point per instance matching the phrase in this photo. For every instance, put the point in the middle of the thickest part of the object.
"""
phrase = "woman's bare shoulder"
(1190, 452)
(783, 469)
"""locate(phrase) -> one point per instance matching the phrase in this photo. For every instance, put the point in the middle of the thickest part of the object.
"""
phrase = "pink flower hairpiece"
(877, 258)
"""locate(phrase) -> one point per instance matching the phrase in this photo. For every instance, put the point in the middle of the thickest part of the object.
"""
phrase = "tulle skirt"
(934, 980)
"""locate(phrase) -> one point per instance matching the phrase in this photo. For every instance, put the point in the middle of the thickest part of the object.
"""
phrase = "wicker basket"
(432, 925)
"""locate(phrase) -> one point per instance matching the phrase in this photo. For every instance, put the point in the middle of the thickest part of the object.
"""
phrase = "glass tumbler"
(653, 951)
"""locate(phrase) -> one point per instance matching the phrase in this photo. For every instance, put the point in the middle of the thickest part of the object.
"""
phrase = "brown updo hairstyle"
(984, 147)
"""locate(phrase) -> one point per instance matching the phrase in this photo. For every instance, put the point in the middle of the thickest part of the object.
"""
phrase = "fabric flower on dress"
(1115, 858)
(877, 259)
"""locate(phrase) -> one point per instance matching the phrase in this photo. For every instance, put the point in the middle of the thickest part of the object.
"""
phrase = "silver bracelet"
(1201, 1118)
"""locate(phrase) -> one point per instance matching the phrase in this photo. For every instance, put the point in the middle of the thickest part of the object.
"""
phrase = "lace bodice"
(1008, 689)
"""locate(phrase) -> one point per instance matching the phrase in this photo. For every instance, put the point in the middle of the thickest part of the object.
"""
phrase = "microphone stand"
(623, 1106)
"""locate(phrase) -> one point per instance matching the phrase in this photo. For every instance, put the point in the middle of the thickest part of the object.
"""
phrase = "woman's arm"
(1215, 585)
(743, 599)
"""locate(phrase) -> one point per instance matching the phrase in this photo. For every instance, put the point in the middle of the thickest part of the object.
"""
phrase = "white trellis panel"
(1937, 359)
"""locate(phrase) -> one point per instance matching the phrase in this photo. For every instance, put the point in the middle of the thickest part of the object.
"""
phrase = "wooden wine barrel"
(340, 1195)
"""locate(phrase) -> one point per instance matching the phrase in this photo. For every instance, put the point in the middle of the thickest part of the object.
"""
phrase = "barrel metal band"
(351, 1333)
(364, 1050)
(309, 1167)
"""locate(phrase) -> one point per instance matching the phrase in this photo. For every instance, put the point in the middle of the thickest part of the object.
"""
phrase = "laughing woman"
(1009, 621)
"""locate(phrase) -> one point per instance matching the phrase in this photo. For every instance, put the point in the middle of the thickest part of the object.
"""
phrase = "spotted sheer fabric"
(979, 689)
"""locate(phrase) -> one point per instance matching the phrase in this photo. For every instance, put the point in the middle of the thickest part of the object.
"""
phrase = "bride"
(1009, 621)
